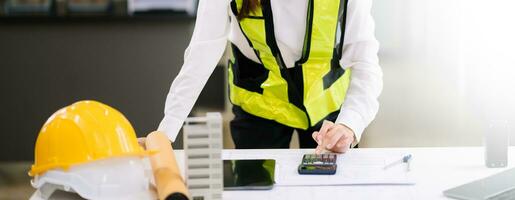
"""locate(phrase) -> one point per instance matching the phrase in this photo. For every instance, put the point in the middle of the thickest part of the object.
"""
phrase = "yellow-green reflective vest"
(300, 96)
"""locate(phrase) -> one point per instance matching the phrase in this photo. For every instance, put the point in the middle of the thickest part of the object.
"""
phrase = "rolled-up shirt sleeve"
(360, 54)
(204, 51)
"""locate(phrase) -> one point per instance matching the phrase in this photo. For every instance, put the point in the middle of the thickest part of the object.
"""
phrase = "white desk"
(435, 169)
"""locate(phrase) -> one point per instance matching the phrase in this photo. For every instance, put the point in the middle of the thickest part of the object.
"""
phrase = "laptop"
(498, 186)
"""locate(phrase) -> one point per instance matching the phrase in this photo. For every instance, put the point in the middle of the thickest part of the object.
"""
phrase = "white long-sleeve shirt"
(216, 24)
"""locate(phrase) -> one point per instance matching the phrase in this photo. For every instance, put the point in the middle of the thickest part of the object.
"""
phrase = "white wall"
(449, 69)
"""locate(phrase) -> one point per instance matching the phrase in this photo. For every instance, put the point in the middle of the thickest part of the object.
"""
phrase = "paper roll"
(169, 182)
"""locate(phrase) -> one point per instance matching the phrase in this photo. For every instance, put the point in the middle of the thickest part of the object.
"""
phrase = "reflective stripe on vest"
(300, 96)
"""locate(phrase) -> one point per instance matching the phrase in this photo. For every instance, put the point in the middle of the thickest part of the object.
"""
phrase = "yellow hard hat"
(83, 132)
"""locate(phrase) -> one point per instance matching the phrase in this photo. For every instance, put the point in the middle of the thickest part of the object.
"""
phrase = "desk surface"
(435, 170)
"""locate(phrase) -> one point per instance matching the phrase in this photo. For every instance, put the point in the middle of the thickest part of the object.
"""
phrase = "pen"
(405, 159)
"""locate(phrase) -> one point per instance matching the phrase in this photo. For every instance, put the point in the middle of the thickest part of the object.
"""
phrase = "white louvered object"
(203, 149)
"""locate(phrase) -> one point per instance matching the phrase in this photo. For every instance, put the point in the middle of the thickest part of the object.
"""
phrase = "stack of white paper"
(354, 168)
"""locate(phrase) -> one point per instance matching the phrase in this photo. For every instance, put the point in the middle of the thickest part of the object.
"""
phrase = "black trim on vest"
(307, 37)
(342, 16)
(270, 33)
(247, 74)
(332, 76)
(234, 8)
(254, 17)
(296, 72)
(296, 84)
(336, 69)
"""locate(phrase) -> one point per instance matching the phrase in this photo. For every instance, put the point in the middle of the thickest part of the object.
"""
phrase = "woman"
(295, 64)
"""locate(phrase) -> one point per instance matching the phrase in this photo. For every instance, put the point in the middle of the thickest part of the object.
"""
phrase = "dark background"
(128, 64)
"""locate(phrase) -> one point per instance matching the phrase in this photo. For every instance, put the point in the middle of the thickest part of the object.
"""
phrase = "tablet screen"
(249, 174)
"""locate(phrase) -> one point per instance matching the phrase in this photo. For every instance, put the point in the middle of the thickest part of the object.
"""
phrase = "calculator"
(318, 164)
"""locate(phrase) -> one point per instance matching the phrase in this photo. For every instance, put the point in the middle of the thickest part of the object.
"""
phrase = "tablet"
(497, 186)
(249, 174)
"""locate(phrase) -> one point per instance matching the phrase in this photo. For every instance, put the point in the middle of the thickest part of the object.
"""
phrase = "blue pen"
(405, 159)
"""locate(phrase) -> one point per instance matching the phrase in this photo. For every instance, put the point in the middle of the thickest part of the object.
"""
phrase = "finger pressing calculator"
(318, 164)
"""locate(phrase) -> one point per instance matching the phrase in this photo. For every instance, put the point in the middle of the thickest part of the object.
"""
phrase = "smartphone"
(496, 144)
(249, 174)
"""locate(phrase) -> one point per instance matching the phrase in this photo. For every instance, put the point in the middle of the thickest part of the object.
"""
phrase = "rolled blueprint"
(169, 182)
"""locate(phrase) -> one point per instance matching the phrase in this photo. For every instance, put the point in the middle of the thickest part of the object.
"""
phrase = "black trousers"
(252, 132)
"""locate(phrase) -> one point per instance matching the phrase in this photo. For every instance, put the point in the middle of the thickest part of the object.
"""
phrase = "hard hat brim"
(37, 170)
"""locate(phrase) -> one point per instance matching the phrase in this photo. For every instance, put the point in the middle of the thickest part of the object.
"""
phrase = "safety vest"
(300, 96)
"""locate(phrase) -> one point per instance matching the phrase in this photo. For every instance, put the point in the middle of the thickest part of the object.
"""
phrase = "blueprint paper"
(354, 168)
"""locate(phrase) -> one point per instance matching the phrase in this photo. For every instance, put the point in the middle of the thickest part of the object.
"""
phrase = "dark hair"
(247, 7)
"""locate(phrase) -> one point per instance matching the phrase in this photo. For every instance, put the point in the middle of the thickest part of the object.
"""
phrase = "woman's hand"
(141, 142)
(333, 137)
